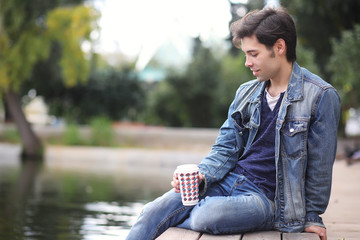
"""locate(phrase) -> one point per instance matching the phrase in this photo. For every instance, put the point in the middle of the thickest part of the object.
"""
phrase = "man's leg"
(157, 216)
(233, 205)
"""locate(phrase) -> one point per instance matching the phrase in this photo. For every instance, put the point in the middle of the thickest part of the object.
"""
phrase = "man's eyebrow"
(249, 51)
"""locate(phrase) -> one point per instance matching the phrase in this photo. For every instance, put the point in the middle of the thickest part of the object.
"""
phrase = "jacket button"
(292, 130)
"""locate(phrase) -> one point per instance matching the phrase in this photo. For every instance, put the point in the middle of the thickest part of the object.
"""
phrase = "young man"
(271, 165)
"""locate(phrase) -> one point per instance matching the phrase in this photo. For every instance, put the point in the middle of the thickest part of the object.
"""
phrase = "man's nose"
(248, 63)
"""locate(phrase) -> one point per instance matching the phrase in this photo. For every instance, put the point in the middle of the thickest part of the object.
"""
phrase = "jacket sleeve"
(224, 153)
(322, 144)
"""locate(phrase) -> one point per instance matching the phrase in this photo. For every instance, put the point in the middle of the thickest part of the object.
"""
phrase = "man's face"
(263, 62)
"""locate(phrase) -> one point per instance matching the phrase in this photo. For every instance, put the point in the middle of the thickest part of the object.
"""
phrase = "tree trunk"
(32, 147)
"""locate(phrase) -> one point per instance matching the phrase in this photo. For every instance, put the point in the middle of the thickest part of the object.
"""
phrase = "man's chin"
(262, 79)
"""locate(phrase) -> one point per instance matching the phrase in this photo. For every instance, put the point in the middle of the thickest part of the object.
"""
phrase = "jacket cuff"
(203, 185)
(313, 219)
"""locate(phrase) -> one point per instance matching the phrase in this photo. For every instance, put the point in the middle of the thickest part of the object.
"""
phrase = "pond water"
(63, 198)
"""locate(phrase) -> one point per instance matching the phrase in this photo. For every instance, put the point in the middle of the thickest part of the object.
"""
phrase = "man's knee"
(162, 204)
(205, 218)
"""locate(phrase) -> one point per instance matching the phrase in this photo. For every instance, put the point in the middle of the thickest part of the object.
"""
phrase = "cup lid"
(187, 167)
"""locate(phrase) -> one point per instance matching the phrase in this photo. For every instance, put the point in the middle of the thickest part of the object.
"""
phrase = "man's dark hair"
(268, 25)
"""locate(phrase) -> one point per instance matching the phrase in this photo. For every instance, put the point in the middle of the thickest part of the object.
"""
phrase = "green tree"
(164, 106)
(344, 66)
(306, 58)
(117, 94)
(319, 21)
(26, 34)
(199, 85)
(188, 98)
(233, 73)
(200, 96)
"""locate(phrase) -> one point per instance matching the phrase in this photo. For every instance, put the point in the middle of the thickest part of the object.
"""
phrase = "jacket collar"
(257, 95)
(295, 86)
(294, 90)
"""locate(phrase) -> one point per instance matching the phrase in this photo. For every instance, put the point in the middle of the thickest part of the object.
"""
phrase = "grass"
(102, 134)
(10, 135)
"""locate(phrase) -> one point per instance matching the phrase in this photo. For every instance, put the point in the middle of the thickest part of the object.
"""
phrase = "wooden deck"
(184, 234)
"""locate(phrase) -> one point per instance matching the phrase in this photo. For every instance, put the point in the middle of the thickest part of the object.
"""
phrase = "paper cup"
(188, 175)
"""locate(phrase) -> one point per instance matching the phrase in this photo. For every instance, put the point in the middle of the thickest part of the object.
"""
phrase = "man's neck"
(280, 83)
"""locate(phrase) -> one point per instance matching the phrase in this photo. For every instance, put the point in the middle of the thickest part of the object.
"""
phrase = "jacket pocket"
(241, 137)
(293, 138)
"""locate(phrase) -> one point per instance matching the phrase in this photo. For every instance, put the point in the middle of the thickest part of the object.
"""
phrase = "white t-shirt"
(271, 100)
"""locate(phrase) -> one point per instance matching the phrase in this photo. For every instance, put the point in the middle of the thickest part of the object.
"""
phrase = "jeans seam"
(167, 218)
(237, 184)
(268, 221)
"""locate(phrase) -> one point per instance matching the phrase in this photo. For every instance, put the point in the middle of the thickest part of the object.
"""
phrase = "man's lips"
(255, 71)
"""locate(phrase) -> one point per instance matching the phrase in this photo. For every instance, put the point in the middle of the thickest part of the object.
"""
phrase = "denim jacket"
(305, 146)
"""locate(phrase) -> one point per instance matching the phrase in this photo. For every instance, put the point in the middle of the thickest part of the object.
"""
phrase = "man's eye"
(254, 54)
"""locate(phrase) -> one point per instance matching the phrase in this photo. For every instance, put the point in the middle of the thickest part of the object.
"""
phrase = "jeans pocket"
(241, 180)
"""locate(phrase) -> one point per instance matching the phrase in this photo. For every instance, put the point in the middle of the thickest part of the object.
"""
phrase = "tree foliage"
(164, 105)
(20, 44)
(319, 21)
(26, 37)
(306, 58)
(232, 74)
(27, 31)
(71, 26)
(200, 96)
(188, 98)
(115, 94)
(344, 66)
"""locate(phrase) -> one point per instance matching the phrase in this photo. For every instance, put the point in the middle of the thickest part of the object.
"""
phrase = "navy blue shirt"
(258, 162)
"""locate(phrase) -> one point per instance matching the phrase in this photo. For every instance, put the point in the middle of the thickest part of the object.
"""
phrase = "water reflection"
(109, 219)
(64, 198)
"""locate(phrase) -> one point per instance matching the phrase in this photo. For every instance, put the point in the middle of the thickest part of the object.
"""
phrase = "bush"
(344, 66)
(72, 135)
(102, 133)
(11, 135)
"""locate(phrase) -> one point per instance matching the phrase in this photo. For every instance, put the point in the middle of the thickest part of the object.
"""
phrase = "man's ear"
(280, 46)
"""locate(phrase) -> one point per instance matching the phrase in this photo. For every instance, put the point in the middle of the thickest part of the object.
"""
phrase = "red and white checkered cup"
(188, 175)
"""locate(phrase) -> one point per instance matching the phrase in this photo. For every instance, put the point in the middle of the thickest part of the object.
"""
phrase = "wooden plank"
(221, 237)
(174, 233)
(265, 235)
(300, 236)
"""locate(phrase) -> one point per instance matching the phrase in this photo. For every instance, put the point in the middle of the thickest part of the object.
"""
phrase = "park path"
(342, 217)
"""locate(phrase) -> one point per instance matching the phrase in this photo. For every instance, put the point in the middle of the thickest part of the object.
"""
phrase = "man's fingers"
(318, 230)
(175, 186)
(175, 183)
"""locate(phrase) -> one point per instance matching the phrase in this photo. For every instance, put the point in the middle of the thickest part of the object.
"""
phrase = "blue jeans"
(232, 205)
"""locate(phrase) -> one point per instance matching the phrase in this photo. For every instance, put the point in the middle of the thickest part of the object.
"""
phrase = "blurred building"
(36, 111)
(173, 52)
(352, 126)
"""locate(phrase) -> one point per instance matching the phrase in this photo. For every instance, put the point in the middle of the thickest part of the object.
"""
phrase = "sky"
(139, 26)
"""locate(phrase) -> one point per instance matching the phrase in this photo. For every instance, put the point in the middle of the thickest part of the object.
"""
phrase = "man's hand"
(175, 183)
(318, 230)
